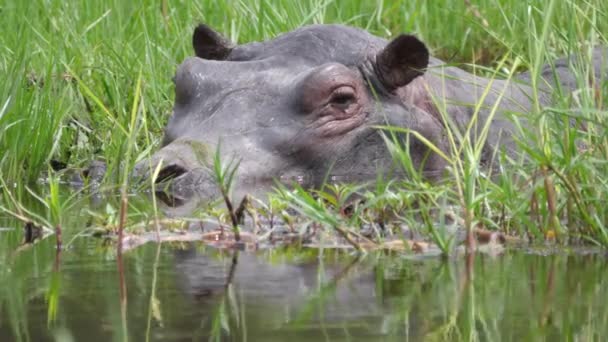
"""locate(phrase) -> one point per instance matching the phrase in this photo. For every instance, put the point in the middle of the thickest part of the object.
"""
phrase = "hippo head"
(305, 104)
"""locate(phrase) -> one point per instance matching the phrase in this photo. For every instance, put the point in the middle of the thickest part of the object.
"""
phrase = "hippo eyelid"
(344, 92)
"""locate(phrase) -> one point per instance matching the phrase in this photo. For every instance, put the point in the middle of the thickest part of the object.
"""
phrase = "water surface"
(193, 292)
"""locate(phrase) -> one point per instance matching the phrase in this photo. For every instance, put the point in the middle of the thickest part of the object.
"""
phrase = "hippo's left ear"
(401, 61)
(209, 44)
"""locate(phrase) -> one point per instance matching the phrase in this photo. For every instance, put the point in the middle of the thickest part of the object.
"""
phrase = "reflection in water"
(191, 292)
(283, 294)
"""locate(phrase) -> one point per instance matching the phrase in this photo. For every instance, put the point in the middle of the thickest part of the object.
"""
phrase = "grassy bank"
(71, 73)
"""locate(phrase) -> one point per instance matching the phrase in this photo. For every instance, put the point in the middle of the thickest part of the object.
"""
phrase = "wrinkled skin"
(306, 104)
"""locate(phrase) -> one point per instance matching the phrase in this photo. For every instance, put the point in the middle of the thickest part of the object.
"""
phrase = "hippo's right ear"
(401, 61)
(209, 44)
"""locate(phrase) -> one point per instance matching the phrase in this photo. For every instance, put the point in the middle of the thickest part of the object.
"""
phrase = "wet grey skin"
(307, 104)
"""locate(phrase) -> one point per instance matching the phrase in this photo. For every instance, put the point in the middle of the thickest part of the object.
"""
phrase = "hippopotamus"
(309, 103)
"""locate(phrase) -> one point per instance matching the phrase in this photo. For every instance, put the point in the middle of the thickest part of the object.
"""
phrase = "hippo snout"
(182, 163)
(186, 170)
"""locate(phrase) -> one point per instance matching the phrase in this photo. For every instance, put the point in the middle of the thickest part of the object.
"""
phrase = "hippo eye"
(343, 97)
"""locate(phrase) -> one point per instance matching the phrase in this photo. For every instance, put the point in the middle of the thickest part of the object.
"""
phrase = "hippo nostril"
(170, 172)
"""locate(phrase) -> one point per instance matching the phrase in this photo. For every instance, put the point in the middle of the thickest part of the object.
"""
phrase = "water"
(191, 292)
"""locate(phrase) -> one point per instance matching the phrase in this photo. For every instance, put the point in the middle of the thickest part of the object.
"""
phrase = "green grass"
(85, 80)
